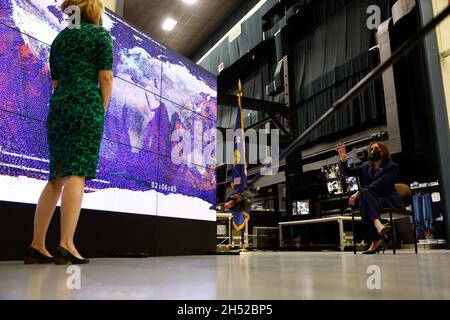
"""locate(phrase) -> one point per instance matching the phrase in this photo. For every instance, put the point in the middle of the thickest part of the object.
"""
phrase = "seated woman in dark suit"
(378, 175)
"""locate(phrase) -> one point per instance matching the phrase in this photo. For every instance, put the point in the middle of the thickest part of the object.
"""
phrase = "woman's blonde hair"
(91, 10)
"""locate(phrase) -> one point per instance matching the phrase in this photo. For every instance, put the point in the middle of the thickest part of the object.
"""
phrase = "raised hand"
(340, 148)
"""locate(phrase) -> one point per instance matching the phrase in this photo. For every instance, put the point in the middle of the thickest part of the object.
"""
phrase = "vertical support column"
(280, 232)
(287, 97)
(294, 161)
(440, 115)
(390, 96)
(120, 7)
(341, 233)
(230, 231)
(246, 236)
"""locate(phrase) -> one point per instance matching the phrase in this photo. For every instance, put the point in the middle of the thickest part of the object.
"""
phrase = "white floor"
(283, 275)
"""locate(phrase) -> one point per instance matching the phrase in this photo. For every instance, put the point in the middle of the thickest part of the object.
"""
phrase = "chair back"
(404, 192)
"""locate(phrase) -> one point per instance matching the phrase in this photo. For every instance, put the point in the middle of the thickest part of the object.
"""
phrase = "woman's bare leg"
(378, 225)
(44, 212)
(71, 200)
(375, 244)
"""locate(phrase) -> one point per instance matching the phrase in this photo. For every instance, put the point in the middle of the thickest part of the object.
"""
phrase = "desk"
(339, 219)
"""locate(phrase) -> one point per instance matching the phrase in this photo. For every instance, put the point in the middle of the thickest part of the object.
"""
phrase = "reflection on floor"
(283, 275)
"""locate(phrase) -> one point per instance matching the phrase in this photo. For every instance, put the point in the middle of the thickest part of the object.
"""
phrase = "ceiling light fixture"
(190, 1)
(169, 24)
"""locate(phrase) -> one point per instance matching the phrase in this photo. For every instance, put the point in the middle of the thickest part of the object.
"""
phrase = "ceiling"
(196, 22)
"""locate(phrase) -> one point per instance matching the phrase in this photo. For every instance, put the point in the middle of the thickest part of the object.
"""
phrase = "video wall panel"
(136, 172)
(189, 86)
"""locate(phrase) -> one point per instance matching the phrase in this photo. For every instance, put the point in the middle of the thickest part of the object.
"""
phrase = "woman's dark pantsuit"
(379, 192)
(371, 206)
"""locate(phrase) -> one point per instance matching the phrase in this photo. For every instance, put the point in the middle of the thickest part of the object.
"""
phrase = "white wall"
(115, 6)
(443, 35)
(111, 4)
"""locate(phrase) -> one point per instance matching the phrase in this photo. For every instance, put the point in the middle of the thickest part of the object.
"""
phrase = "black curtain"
(253, 85)
(329, 59)
(329, 51)
(414, 107)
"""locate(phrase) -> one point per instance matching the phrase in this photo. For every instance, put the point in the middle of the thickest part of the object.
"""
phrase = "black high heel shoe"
(381, 247)
(386, 234)
(63, 256)
(34, 256)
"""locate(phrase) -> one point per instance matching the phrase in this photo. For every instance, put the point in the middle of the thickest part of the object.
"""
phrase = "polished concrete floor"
(279, 275)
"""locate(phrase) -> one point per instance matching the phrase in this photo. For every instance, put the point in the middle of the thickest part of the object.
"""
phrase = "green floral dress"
(76, 116)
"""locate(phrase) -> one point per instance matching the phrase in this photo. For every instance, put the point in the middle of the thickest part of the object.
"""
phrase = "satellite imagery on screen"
(156, 91)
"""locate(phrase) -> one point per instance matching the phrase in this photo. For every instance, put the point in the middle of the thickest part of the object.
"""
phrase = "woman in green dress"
(81, 62)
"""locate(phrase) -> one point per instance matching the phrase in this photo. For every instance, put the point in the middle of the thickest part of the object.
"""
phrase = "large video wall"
(155, 92)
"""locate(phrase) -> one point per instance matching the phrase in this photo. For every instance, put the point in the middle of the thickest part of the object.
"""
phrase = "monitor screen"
(300, 208)
(352, 184)
(332, 171)
(335, 186)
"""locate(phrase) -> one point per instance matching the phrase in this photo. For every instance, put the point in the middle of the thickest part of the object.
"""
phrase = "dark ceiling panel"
(196, 23)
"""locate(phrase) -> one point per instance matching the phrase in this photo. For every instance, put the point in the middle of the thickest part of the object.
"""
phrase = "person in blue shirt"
(378, 176)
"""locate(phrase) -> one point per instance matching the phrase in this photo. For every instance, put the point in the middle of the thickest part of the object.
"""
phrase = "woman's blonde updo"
(91, 10)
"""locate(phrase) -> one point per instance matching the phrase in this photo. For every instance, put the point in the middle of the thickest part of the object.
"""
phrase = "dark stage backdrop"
(329, 52)
(330, 57)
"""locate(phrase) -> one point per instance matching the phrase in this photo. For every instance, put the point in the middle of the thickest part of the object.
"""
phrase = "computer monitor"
(352, 184)
(301, 208)
(332, 171)
(335, 186)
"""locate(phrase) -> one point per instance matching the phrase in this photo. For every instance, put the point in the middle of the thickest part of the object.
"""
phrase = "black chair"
(392, 214)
